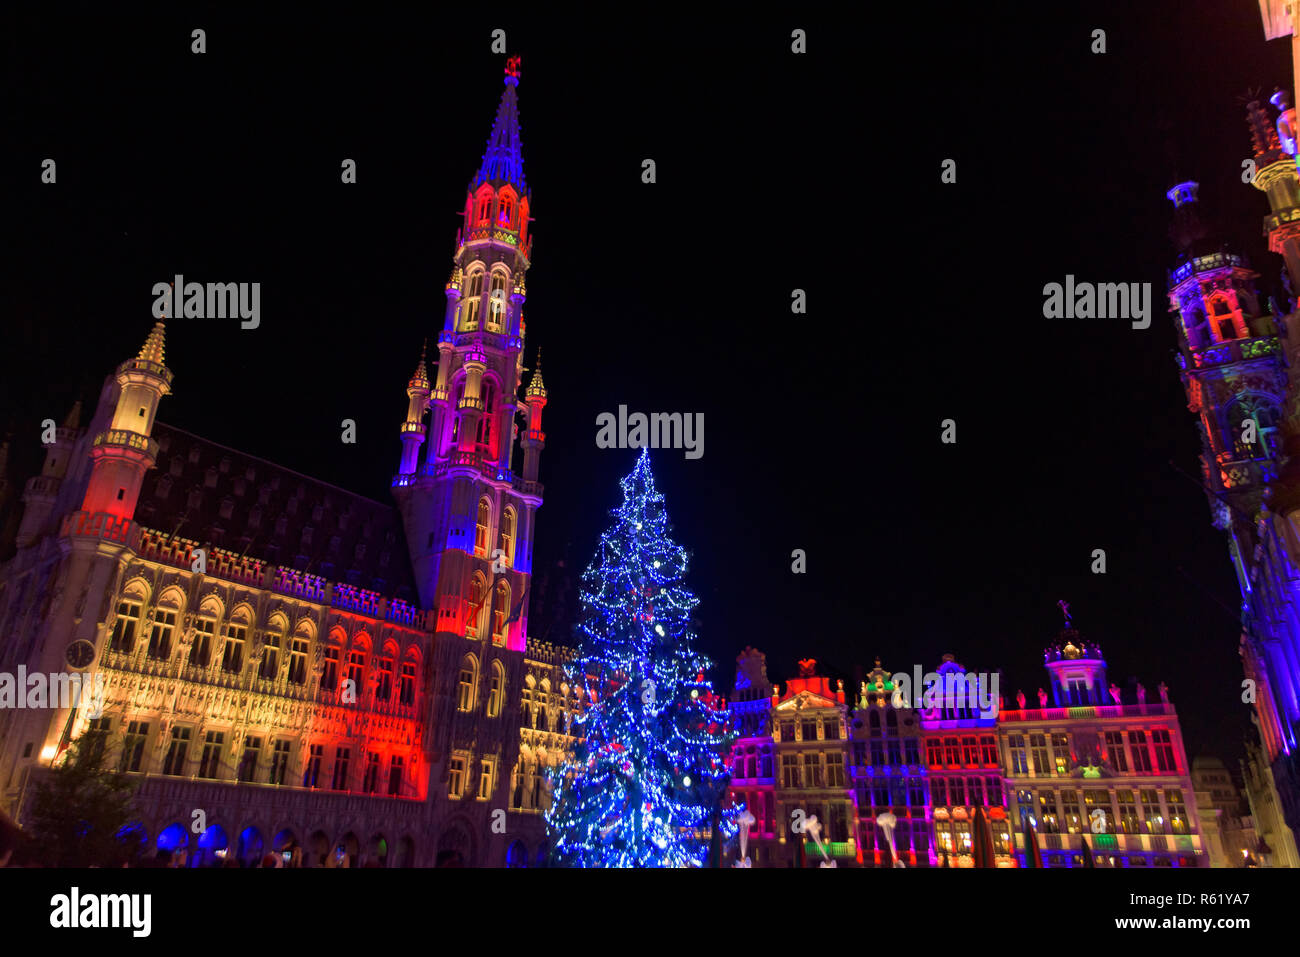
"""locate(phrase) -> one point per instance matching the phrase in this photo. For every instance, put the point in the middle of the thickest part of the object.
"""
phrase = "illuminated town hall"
(299, 663)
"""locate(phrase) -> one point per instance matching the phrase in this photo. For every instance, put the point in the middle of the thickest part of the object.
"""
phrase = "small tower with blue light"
(1076, 667)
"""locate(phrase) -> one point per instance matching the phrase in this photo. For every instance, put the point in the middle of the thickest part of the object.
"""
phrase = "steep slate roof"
(213, 494)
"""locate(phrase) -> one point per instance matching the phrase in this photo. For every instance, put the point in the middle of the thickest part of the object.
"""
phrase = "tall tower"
(1239, 367)
(468, 515)
(1230, 361)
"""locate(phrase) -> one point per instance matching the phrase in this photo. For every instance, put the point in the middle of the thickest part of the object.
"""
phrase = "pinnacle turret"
(536, 386)
(152, 350)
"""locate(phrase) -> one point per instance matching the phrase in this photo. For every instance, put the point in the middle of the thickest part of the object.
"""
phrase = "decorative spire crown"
(536, 386)
(503, 160)
(152, 350)
(421, 376)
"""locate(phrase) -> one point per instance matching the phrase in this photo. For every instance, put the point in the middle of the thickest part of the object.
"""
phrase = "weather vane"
(512, 67)
(1065, 610)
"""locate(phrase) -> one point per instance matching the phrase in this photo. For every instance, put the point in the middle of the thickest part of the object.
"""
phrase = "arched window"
(500, 612)
(205, 629)
(497, 690)
(508, 534)
(484, 206)
(272, 647)
(1224, 326)
(477, 593)
(455, 420)
(467, 683)
(517, 855)
(471, 300)
(497, 301)
(489, 395)
(505, 216)
(128, 618)
(1257, 440)
(481, 529)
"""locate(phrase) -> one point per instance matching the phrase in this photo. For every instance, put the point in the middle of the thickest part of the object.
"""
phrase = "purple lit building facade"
(1238, 365)
(1091, 762)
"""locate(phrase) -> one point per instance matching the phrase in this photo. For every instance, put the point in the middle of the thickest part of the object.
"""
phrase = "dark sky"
(775, 171)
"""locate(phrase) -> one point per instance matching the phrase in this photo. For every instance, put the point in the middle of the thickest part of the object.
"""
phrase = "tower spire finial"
(152, 350)
(1065, 610)
(503, 159)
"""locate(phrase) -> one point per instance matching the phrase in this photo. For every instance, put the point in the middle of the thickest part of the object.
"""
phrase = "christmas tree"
(648, 774)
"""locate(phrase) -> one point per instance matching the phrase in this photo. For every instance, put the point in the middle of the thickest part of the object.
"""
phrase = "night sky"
(775, 172)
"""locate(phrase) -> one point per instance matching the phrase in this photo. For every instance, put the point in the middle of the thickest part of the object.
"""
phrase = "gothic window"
(201, 651)
(210, 761)
(270, 666)
(406, 692)
(497, 301)
(174, 762)
(342, 757)
(1223, 324)
(455, 421)
(477, 591)
(232, 649)
(505, 216)
(484, 437)
(330, 676)
(1265, 416)
(471, 296)
(160, 639)
(298, 661)
(484, 207)
(384, 686)
(128, 618)
(481, 530)
(496, 691)
(466, 684)
(500, 612)
(356, 668)
(508, 535)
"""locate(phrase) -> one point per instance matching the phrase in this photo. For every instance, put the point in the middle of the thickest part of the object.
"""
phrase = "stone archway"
(456, 844)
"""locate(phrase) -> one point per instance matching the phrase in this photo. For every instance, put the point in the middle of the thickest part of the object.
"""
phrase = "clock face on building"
(80, 653)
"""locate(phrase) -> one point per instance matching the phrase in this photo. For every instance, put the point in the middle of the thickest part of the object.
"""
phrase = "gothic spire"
(503, 160)
(152, 350)
(536, 386)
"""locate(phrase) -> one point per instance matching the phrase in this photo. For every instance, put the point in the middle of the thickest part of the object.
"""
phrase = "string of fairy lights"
(644, 784)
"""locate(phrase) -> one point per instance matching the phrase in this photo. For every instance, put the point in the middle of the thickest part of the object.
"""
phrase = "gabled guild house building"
(1092, 762)
(300, 662)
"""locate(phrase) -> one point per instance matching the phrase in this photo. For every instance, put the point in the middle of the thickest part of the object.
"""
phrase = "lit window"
(508, 535)
(496, 693)
(468, 679)
(500, 612)
(128, 617)
(481, 529)
(456, 774)
(487, 777)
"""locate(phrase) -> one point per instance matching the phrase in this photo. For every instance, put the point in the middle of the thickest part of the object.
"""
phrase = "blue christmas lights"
(648, 775)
